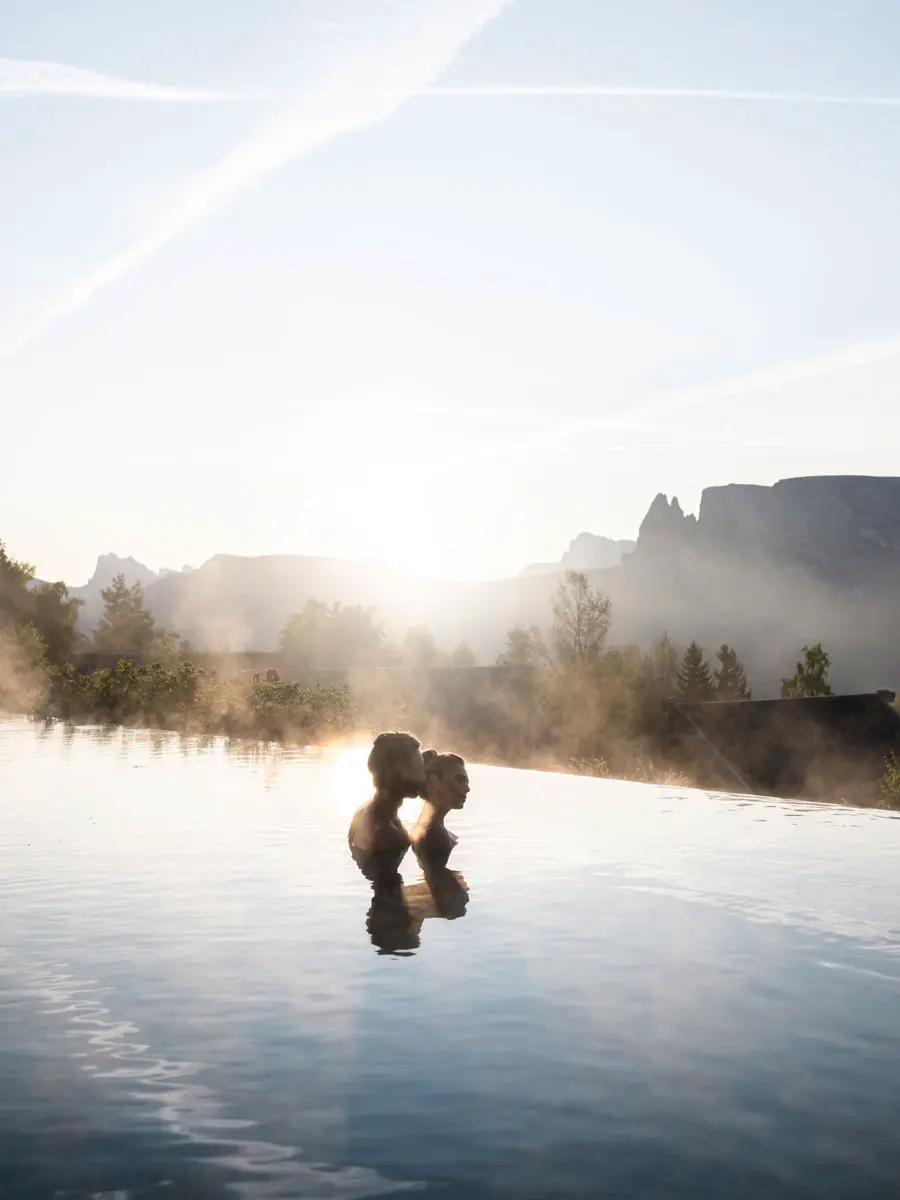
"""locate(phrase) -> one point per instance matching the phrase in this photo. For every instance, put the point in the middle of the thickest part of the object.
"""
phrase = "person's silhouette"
(392, 928)
(378, 840)
(446, 789)
(440, 893)
(397, 911)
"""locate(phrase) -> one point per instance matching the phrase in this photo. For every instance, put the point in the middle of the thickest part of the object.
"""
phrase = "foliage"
(14, 596)
(595, 709)
(811, 676)
(55, 618)
(154, 695)
(890, 784)
(663, 665)
(179, 696)
(419, 650)
(641, 770)
(23, 668)
(45, 608)
(38, 632)
(581, 620)
(597, 768)
(126, 625)
(463, 657)
(288, 711)
(333, 635)
(524, 648)
(663, 774)
(730, 676)
(600, 712)
(695, 681)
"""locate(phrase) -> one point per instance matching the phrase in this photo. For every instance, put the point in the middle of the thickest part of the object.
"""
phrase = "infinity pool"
(647, 993)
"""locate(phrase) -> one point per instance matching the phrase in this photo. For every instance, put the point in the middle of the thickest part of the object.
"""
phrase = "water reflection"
(389, 923)
(442, 893)
(397, 910)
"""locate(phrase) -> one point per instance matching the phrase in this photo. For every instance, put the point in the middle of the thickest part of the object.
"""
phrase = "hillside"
(766, 569)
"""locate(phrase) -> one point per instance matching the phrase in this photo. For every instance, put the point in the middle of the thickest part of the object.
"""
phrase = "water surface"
(648, 994)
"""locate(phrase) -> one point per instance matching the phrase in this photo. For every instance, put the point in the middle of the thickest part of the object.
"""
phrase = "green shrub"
(179, 696)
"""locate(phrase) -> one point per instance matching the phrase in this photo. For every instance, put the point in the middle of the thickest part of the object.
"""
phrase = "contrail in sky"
(21, 77)
(500, 91)
(646, 415)
(666, 404)
(24, 77)
(372, 81)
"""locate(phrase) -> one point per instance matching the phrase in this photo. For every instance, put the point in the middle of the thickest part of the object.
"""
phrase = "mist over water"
(649, 992)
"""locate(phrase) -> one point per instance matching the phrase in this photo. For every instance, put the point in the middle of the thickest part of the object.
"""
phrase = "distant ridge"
(766, 569)
(587, 552)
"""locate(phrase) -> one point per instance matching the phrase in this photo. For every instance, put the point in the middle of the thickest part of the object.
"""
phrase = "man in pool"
(378, 840)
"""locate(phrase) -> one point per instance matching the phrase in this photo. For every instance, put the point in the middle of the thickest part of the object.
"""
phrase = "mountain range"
(766, 569)
(587, 552)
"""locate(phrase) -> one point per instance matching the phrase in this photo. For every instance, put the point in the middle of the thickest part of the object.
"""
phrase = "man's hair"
(387, 750)
(438, 764)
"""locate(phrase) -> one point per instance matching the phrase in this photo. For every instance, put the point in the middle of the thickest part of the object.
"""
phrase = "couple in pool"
(379, 841)
(401, 771)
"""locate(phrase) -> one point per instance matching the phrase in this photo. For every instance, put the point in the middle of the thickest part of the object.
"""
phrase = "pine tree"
(730, 677)
(694, 679)
(127, 625)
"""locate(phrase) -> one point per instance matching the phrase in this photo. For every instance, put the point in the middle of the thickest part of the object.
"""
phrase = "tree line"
(43, 620)
(584, 704)
(349, 636)
(582, 617)
(39, 636)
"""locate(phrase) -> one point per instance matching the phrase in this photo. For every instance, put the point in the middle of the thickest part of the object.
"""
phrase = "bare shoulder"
(363, 828)
(434, 837)
(391, 835)
(373, 834)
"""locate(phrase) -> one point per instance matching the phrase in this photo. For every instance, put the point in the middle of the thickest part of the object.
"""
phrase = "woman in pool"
(446, 789)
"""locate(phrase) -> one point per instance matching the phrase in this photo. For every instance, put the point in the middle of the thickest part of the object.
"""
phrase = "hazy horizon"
(435, 285)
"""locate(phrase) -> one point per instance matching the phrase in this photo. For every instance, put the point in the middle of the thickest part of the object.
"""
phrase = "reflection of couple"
(379, 841)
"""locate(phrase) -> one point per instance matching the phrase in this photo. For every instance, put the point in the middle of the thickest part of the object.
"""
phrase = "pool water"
(642, 993)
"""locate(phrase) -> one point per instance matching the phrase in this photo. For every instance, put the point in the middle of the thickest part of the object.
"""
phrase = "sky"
(436, 283)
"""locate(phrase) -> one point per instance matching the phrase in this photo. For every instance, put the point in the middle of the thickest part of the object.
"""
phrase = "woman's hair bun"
(429, 756)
